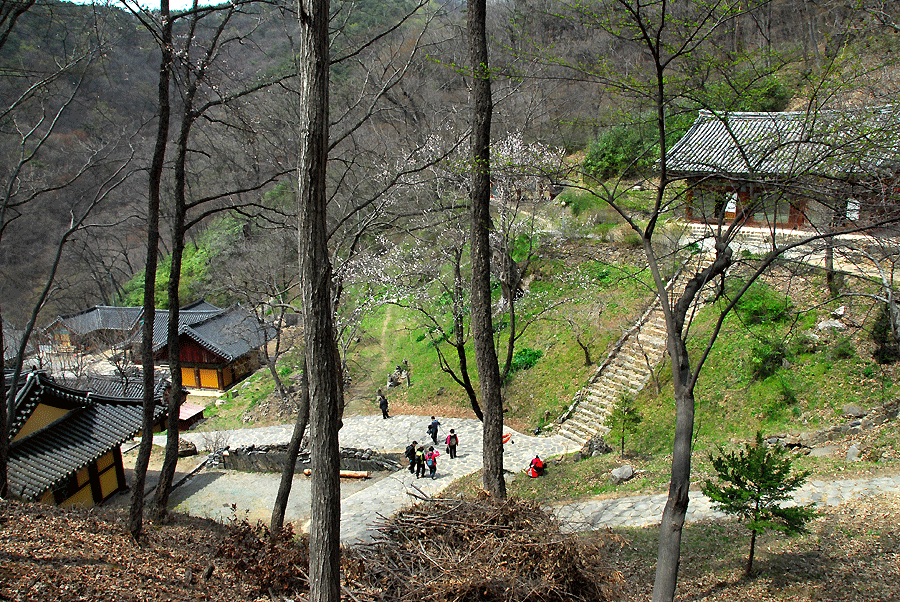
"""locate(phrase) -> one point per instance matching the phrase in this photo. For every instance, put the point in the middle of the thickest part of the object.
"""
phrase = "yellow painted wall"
(83, 477)
(41, 417)
(108, 483)
(82, 497)
(105, 462)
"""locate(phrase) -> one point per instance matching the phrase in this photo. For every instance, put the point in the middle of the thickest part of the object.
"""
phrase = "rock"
(792, 441)
(824, 451)
(831, 325)
(186, 448)
(839, 313)
(621, 474)
(853, 454)
(853, 411)
(594, 445)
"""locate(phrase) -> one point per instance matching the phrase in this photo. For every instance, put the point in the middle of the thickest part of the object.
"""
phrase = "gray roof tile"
(833, 143)
(95, 426)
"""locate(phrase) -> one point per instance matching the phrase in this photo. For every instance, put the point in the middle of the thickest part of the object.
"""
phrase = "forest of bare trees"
(345, 132)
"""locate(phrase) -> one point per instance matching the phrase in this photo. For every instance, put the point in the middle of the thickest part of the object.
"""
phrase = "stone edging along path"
(365, 508)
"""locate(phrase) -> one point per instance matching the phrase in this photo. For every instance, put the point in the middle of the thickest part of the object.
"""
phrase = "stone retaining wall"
(271, 458)
(857, 422)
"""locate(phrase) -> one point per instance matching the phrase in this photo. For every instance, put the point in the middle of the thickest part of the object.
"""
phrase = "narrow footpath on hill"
(221, 494)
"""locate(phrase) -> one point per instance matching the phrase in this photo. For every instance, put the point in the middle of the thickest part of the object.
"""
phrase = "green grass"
(804, 392)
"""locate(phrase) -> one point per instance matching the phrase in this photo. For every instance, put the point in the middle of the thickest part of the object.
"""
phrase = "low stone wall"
(857, 421)
(271, 458)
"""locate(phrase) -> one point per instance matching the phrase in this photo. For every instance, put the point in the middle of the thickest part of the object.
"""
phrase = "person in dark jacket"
(420, 462)
(433, 429)
(383, 404)
(410, 454)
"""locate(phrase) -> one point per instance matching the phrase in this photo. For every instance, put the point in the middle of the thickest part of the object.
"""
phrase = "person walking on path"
(410, 454)
(383, 404)
(452, 442)
(433, 429)
(431, 461)
(420, 462)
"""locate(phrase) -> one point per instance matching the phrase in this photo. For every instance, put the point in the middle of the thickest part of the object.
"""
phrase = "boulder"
(186, 448)
(594, 446)
(621, 474)
(831, 325)
(853, 411)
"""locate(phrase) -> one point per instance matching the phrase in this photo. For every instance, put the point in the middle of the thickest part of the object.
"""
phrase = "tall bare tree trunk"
(4, 423)
(675, 510)
(684, 380)
(167, 473)
(485, 352)
(287, 474)
(136, 510)
(325, 380)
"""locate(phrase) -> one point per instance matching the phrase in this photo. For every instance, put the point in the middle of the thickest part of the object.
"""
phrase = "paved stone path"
(365, 504)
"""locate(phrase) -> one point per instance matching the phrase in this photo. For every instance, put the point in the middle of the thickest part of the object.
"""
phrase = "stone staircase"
(627, 369)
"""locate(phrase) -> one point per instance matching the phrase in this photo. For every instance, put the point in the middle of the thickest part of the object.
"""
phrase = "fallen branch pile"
(449, 550)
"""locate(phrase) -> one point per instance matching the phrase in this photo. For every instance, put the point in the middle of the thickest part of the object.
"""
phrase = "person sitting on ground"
(536, 468)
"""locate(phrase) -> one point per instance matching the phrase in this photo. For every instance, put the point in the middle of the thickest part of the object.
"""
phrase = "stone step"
(574, 432)
(572, 437)
(625, 374)
(592, 412)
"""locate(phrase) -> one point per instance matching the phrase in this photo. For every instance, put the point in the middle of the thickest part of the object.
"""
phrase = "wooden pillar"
(94, 480)
(120, 469)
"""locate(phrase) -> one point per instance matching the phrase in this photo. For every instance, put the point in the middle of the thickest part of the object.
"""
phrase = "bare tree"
(325, 379)
(677, 49)
(135, 517)
(480, 198)
(38, 107)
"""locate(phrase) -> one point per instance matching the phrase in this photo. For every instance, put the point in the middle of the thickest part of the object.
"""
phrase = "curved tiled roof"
(102, 317)
(833, 143)
(230, 334)
(96, 425)
(185, 318)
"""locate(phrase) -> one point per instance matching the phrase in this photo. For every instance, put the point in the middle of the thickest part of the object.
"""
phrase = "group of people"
(421, 457)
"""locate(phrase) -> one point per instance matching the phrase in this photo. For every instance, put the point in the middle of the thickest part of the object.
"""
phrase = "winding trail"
(365, 505)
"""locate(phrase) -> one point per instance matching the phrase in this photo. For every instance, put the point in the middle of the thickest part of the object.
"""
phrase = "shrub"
(803, 343)
(525, 358)
(579, 201)
(752, 486)
(887, 348)
(843, 349)
(267, 560)
(766, 357)
(619, 151)
(761, 304)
